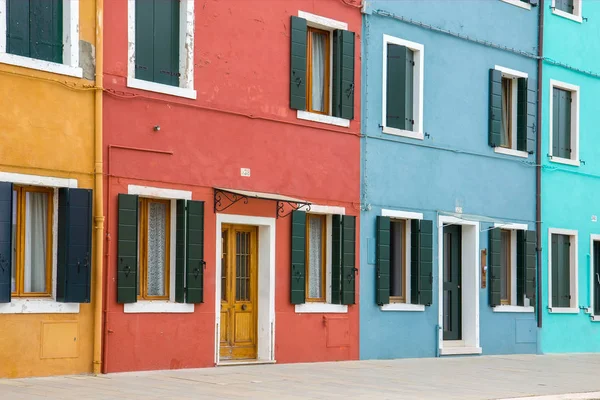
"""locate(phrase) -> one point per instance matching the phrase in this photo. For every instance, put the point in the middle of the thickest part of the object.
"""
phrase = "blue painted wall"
(453, 166)
(570, 193)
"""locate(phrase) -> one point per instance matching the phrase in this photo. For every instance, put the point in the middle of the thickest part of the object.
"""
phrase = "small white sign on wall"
(594, 218)
(245, 171)
(458, 210)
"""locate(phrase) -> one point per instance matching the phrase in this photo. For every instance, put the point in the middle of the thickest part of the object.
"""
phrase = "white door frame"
(266, 283)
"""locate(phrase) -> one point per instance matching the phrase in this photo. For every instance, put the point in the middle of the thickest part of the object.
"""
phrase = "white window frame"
(593, 317)
(574, 268)
(575, 106)
(518, 3)
(513, 307)
(418, 81)
(70, 65)
(514, 75)
(162, 306)
(33, 305)
(577, 11)
(186, 54)
(326, 307)
(326, 24)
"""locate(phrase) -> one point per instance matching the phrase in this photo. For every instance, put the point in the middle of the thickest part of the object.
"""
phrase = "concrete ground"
(492, 377)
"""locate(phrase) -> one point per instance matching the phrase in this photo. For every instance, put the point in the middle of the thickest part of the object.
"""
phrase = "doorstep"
(230, 363)
(457, 347)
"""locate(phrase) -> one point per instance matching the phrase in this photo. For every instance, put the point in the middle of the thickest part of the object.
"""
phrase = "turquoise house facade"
(448, 222)
(570, 177)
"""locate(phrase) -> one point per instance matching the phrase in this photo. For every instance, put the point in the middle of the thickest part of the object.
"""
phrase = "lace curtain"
(315, 257)
(36, 238)
(157, 232)
(318, 71)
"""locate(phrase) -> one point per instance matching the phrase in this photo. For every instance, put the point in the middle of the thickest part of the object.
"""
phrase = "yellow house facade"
(50, 187)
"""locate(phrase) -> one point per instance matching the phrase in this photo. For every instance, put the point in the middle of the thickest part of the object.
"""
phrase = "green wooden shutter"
(596, 278)
(348, 268)
(180, 252)
(6, 249)
(526, 267)
(382, 257)
(415, 245)
(526, 109)
(343, 74)
(144, 40)
(194, 251)
(426, 263)
(298, 258)
(494, 265)
(17, 27)
(127, 249)
(336, 259)
(399, 87)
(74, 272)
(46, 37)
(561, 279)
(298, 63)
(555, 121)
(495, 112)
(561, 123)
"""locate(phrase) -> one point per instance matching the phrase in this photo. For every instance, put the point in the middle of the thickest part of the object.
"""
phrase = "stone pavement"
(492, 377)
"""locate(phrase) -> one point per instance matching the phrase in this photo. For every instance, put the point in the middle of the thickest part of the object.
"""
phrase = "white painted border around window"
(418, 80)
(318, 209)
(186, 54)
(402, 307)
(401, 214)
(574, 271)
(575, 106)
(577, 11)
(322, 22)
(70, 65)
(324, 119)
(519, 4)
(513, 309)
(593, 238)
(321, 308)
(511, 152)
(512, 74)
(510, 225)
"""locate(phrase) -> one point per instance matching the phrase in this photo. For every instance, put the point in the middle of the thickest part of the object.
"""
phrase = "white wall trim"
(509, 72)
(330, 210)
(38, 306)
(161, 88)
(402, 307)
(401, 214)
(418, 82)
(321, 308)
(593, 238)
(38, 180)
(511, 152)
(574, 270)
(513, 309)
(575, 106)
(510, 225)
(41, 65)
(519, 4)
(322, 22)
(161, 193)
(155, 306)
(577, 11)
(322, 118)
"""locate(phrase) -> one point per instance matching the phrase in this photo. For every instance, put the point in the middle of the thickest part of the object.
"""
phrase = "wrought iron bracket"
(223, 200)
(281, 213)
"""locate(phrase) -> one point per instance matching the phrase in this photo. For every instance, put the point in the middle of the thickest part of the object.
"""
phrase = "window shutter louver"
(46, 42)
(298, 258)
(382, 257)
(180, 230)
(6, 249)
(348, 267)
(74, 270)
(298, 63)
(495, 109)
(596, 278)
(194, 279)
(421, 262)
(343, 74)
(127, 249)
(336, 259)
(399, 87)
(17, 27)
(526, 268)
(526, 109)
(494, 267)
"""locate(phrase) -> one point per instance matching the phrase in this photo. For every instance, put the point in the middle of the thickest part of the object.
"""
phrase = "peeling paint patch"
(87, 59)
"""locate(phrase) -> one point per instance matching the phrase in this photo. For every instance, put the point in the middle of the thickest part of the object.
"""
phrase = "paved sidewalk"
(494, 377)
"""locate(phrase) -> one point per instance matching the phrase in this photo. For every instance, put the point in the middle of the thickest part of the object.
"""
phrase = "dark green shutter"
(127, 249)
(561, 279)
(298, 258)
(382, 257)
(298, 64)
(564, 5)
(74, 272)
(561, 123)
(415, 226)
(421, 262)
(596, 278)
(343, 74)
(157, 41)
(526, 267)
(495, 109)
(399, 87)
(348, 267)
(494, 265)
(194, 279)
(180, 252)
(526, 109)
(336, 259)
(6, 249)
(17, 27)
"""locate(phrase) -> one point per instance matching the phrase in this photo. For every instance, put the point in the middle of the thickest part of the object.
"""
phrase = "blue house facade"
(448, 178)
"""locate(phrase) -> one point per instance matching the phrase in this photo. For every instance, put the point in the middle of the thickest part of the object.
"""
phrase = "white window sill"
(563, 310)
(324, 119)
(518, 3)
(513, 309)
(560, 13)
(567, 161)
(38, 306)
(161, 88)
(511, 152)
(403, 133)
(402, 307)
(316, 308)
(595, 318)
(459, 350)
(41, 65)
(167, 307)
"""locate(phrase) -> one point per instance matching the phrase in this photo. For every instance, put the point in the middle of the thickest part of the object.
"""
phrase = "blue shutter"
(6, 249)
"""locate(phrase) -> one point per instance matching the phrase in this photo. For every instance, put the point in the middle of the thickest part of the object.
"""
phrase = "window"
(595, 278)
(315, 257)
(564, 123)
(526, 4)
(403, 87)
(570, 9)
(505, 266)
(32, 241)
(161, 46)
(154, 235)
(317, 90)
(398, 277)
(562, 271)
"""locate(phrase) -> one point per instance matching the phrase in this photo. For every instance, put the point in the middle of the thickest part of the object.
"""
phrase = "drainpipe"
(538, 162)
(98, 206)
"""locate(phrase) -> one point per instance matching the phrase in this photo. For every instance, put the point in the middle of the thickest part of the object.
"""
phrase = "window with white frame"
(526, 4)
(562, 271)
(161, 46)
(564, 123)
(595, 278)
(42, 35)
(570, 9)
(402, 87)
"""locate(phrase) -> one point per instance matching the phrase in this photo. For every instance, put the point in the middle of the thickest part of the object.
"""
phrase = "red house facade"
(232, 182)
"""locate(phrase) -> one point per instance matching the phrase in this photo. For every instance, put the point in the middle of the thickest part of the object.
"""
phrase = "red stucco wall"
(241, 118)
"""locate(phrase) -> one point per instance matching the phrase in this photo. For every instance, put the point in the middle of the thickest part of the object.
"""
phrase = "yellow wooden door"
(238, 292)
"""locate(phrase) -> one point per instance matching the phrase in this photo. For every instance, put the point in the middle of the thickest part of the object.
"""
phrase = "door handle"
(244, 307)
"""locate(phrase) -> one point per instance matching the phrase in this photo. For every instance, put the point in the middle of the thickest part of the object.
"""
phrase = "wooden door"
(452, 281)
(238, 292)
